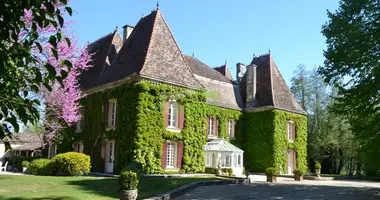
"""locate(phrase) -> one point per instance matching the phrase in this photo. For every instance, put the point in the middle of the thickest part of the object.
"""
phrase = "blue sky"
(219, 31)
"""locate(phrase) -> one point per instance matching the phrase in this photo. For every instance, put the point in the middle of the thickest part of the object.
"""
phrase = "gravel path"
(287, 189)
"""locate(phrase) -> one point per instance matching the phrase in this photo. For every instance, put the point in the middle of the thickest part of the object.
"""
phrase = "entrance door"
(110, 156)
(291, 161)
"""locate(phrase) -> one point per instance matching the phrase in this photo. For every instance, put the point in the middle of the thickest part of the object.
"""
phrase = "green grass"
(72, 188)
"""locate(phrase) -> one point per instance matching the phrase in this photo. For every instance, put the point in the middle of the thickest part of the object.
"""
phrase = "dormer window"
(291, 131)
(211, 128)
(231, 129)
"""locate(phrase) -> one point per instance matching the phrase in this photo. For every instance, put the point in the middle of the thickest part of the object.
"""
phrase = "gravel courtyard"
(287, 189)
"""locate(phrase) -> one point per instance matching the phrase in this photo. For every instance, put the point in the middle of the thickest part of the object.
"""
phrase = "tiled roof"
(23, 138)
(271, 88)
(201, 69)
(151, 51)
(28, 146)
(221, 145)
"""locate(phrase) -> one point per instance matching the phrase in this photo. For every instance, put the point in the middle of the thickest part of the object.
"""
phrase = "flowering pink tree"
(62, 97)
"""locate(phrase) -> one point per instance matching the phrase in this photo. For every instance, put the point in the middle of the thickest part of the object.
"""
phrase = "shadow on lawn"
(39, 198)
(107, 187)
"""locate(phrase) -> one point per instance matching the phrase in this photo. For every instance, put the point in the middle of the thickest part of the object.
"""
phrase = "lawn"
(72, 188)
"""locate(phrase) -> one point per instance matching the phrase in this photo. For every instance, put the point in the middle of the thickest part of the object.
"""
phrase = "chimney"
(251, 85)
(127, 31)
(239, 71)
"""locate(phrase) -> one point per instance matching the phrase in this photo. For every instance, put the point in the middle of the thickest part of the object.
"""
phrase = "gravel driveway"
(286, 189)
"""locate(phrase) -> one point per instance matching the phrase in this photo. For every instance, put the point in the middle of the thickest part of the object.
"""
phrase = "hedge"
(41, 166)
(17, 160)
(75, 164)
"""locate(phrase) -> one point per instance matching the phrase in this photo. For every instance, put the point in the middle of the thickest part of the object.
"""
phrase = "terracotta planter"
(298, 177)
(128, 194)
(272, 179)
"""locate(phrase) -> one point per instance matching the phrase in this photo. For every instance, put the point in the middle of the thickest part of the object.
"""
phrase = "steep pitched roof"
(224, 71)
(151, 51)
(100, 50)
(23, 138)
(222, 91)
(271, 88)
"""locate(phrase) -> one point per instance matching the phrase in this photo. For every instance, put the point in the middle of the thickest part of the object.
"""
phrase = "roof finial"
(193, 54)
(158, 5)
(269, 50)
(254, 55)
(225, 62)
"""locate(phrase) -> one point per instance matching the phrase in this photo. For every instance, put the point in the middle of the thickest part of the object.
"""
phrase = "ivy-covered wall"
(140, 131)
(265, 139)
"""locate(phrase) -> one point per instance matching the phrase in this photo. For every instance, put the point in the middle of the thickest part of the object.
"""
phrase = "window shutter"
(207, 125)
(294, 159)
(166, 114)
(179, 155)
(106, 106)
(235, 128)
(227, 127)
(216, 128)
(294, 131)
(164, 155)
(181, 116)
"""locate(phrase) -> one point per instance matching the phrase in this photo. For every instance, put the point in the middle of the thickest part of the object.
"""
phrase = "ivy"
(140, 131)
(265, 139)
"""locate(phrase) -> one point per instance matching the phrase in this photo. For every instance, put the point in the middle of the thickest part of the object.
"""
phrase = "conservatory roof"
(221, 145)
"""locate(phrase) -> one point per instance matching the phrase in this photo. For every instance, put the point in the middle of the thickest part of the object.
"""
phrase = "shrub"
(25, 163)
(210, 170)
(40, 167)
(75, 164)
(227, 170)
(317, 165)
(128, 180)
(16, 161)
(271, 171)
(300, 172)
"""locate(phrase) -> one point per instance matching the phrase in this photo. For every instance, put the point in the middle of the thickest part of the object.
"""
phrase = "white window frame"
(226, 160)
(173, 116)
(231, 129)
(239, 159)
(289, 131)
(112, 112)
(211, 126)
(209, 159)
(171, 155)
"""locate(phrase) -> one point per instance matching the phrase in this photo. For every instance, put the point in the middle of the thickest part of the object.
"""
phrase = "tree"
(299, 85)
(20, 69)
(352, 64)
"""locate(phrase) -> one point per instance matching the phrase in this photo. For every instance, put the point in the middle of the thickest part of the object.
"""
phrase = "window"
(226, 161)
(173, 114)
(170, 160)
(110, 153)
(211, 126)
(112, 113)
(239, 160)
(231, 128)
(208, 159)
(80, 123)
(290, 126)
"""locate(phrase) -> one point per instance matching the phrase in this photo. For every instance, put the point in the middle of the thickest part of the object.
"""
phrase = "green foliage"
(227, 170)
(25, 163)
(271, 171)
(352, 63)
(266, 144)
(140, 131)
(128, 180)
(16, 161)
(210, 170)
(75, 164)
(20, 72)
(317, 165)
(300, 172)
(40, 167)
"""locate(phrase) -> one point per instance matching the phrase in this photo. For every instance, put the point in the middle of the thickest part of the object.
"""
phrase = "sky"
(219, 31)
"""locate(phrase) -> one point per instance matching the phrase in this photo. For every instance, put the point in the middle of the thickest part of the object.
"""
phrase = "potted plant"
(317, 167)
(25, 165)
(271, 174)
(128, 185)
(298, 174)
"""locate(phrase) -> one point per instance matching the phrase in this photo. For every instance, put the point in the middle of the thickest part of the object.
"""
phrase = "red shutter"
(216, 122)
(179, 155)
(294, 131)
(164, 155)
(207, 123)
(106, 106)
(181, 116)
(166, 114)
(294, 159)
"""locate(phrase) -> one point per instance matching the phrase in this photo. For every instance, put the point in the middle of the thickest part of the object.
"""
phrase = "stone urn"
(272, 179)
(298, 177)
(318, 172)
(128, 194)
(24, 169)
